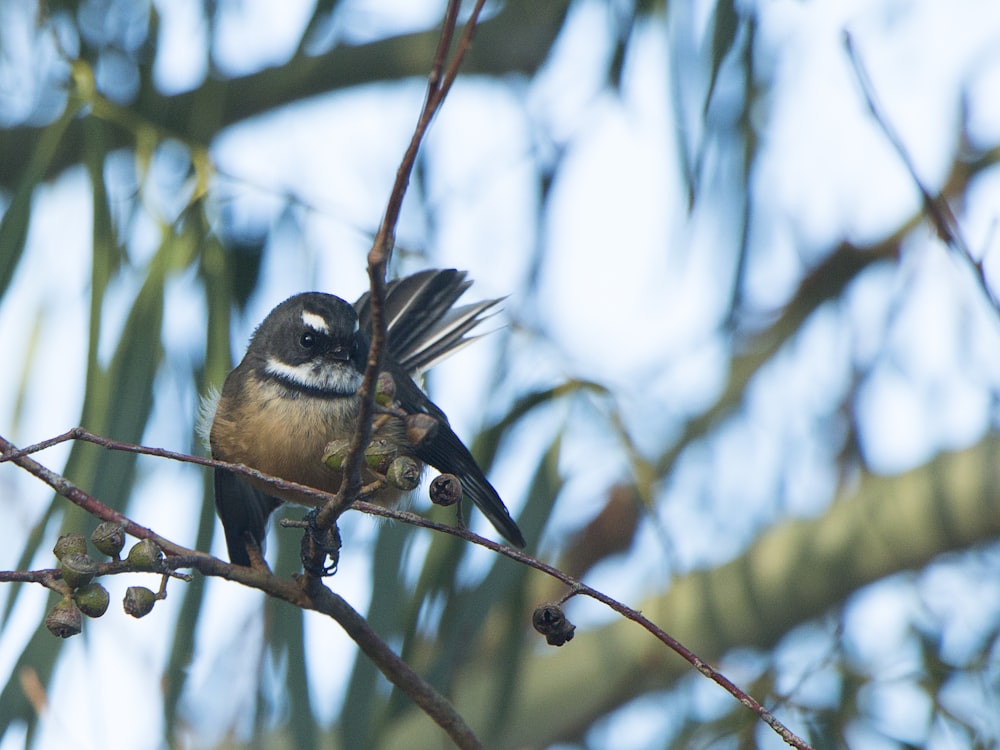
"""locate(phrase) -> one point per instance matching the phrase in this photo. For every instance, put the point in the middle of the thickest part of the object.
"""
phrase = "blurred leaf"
(119, 407)
(824, 283)
(513, 609)
(182, 647)
(725, 29)
(319, 26)
(492, 616)
(217, 362)
(246, 256)
(17, 217)
(117, 404)
(364, 702)
(39, 655)
(486, 444)
(27, 368)
(287, 636)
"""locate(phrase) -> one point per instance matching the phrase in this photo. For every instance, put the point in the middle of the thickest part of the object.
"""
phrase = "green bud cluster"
(83, 595)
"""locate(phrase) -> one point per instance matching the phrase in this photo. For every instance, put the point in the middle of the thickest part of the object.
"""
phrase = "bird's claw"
(320, 544)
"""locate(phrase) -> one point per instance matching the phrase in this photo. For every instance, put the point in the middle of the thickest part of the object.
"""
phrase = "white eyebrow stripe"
(316, 322)
(334, 379)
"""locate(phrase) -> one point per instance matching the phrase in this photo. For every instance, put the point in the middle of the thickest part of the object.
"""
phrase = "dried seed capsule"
(70, 543)
(92, 599)
(446, 490)
(64, 619)
(77, 569)
(145, 555)
(379, 455)
(138, 601)
(336, 453)
(385, 389)
(550, 621)
(404, 473)
(109, 538)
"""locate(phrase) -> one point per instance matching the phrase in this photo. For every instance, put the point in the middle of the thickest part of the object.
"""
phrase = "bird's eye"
(307, 340)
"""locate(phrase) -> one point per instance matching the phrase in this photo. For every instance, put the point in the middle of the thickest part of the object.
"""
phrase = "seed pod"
(385, 389)
(138, 601)
(336, 453)
(92, 599)
(64, 619)
(445, 490)
(379, 455)
(77, 570)
(145, 555)
(404, 473)
(109, 538)
(70, 543)
(550, 621)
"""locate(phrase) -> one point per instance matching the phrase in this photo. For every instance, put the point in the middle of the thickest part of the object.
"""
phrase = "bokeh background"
(740, 381)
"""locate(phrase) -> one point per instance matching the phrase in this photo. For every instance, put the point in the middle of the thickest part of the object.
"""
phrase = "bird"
(296, 391)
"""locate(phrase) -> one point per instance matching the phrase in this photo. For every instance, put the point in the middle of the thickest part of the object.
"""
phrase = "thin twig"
(199, 561)
(84, 435)
(314, 596)
(578, 587)
(937, 208)
(209, 565)
(113, 567)
(381, 252)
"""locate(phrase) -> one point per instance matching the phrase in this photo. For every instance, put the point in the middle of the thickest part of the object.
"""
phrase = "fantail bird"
(296, 391)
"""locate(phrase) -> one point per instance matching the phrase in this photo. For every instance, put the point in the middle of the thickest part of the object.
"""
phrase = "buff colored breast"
(297, 429)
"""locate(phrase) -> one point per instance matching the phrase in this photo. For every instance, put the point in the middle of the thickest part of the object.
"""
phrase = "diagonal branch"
(308, 592)
(937, 208)
(314, 596)
(381, 251)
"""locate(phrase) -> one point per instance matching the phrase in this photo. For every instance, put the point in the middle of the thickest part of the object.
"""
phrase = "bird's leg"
(318, 545)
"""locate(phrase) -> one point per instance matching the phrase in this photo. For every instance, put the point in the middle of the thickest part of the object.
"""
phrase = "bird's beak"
(340, 353)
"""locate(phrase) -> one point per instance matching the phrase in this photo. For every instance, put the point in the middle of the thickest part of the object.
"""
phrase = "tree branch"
(938, 211)
(313, 596)
(381, 252)
(307, 592)
(340, 68)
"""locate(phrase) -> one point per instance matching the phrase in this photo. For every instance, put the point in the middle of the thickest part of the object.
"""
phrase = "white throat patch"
(316, 322)
(334, 379)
